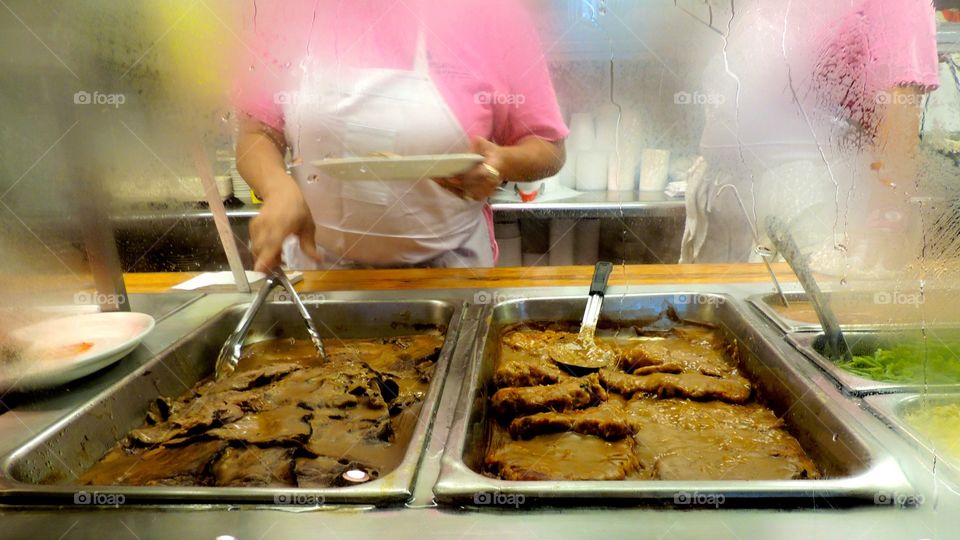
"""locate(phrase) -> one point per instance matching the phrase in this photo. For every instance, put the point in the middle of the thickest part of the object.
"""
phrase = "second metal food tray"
(855, 466)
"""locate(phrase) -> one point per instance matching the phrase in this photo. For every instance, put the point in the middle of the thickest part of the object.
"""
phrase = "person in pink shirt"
(817, 122)
(337, 78)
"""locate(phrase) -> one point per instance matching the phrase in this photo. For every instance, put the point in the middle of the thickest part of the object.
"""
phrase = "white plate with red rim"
(56, 351)
(398, 168)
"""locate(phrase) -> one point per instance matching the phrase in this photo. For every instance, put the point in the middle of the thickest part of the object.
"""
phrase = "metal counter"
(421, 517)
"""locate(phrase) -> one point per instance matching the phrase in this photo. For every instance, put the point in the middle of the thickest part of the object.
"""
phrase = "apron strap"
(420, 63)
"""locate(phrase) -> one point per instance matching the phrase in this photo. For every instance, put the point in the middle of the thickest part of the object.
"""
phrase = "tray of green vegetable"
(885, 362)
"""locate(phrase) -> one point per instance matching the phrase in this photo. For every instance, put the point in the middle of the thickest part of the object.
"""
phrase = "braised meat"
(734, 389)
(575, 393)
(607, 420)
(564, 456)
(674, 407)
(283, 418)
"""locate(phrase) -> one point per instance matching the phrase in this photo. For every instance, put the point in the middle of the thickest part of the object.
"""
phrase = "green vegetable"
(908, 363)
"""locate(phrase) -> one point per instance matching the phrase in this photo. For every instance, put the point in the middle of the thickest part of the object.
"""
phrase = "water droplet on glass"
(364, 170)
(251, 68)
(836, 437)
(313, 179)
(287, 64)
(843, 281)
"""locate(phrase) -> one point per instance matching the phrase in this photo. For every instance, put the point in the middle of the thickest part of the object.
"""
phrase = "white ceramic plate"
(405, 168)
(56, 351)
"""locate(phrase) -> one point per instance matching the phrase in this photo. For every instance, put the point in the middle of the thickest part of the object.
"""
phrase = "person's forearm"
(260, 152)
(532, 159)
(898, 136)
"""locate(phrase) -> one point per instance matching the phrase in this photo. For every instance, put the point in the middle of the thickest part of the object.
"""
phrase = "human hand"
(284, 213)
(483, 179)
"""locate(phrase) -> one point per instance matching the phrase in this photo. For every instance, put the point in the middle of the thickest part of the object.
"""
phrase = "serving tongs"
(835, 346)
(582, 355)
(230, 352)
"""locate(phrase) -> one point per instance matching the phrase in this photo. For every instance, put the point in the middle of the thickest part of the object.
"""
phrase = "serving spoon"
(582, 356)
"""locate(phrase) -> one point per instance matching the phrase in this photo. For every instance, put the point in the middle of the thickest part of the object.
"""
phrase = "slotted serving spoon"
(582, 355)
(836, 347)
(229, 355)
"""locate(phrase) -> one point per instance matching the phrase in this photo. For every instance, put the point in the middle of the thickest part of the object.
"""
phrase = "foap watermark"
(892, 498)
(695, 498)
(98, 498)
(297, 98)
(896, 98)
(699, 98)
(499, 98)
(697, 300)
(84, 298)
(493, 297)
(895, 298)
(284, 296)
(495, 498)
(83, 97)
(293, 498)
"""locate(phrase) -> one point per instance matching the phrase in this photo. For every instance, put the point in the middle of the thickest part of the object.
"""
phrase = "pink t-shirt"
(484, 56)
(874, 47)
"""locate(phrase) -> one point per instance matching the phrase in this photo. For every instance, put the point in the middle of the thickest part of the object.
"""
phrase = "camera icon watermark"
(495, 498)
(309, 297)
(493, 297)
(297, 97)
(891, 498)
(84, 298)
(82, 97)
(890, 98)
(293, 498)
(699, 98)
(97, 498)
(697, 300)
(499, 98)
(895, 298)
(695, 498)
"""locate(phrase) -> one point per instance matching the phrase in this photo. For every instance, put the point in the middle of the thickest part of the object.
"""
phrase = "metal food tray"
(891, 408)
(763, 303)
(76, 442)
(855, 465)
(860, 343)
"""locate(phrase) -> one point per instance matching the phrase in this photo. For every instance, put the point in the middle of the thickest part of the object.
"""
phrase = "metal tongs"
(230, 352)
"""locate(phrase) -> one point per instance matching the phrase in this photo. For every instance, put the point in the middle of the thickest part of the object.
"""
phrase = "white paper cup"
(592, 170)
(583, 134)
(654, 169)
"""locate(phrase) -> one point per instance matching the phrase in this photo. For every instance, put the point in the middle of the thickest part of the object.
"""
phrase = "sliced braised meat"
(526, 368)
(608, 421)
(689, 385)
(252, 466)
(570, 394)
(673, 354)
(281, 426)
(282, 403)
(564, 456)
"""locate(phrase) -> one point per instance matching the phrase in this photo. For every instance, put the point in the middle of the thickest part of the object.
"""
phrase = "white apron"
(348, 112)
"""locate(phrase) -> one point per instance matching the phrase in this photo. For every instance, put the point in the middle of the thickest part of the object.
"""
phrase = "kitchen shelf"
(601, 204)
